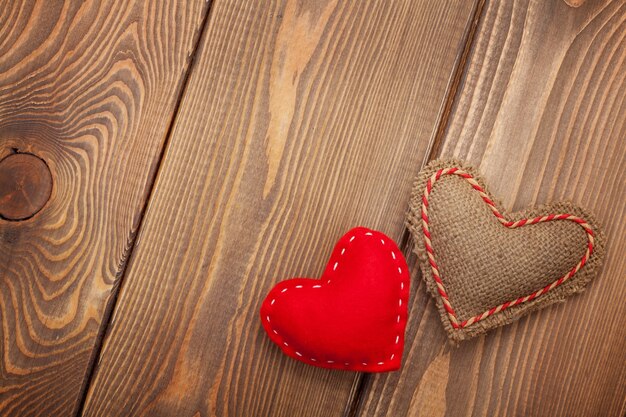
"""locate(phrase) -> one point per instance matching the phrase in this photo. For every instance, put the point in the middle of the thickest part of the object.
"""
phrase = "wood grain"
(89, 87)
(300, 120)
(541, 112)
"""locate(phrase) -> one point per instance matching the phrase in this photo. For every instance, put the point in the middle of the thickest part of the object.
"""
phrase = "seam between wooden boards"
(132, 238)
(362, 383)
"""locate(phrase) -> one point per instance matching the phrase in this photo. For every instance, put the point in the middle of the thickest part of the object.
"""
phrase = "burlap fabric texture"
(483, 264)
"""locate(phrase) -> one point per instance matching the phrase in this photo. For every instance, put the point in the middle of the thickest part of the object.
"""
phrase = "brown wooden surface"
(541, 110)
(90, 88)
(300, 121)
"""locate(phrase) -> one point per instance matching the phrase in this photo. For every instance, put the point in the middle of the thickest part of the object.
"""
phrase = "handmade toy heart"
(354, 316)
(485, 267)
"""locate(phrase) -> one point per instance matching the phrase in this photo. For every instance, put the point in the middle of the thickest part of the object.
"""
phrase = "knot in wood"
(25, 186)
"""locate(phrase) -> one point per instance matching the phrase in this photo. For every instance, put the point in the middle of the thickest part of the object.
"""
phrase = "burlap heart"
(486, 268)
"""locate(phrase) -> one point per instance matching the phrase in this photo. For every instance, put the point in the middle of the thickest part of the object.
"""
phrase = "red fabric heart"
(354, 316)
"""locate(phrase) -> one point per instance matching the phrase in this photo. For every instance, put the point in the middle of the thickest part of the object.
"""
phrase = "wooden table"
(174, 160)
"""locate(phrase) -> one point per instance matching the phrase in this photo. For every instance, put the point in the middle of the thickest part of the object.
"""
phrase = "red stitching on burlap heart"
(506, 223)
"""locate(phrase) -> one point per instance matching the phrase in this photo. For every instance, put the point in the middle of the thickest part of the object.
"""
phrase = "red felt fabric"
(354, 316)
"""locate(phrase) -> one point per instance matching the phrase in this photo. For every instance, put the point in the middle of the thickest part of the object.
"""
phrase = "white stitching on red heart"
(335, 266)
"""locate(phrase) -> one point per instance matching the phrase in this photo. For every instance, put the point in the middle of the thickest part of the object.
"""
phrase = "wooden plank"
(90, 89)
(541, 111)
(300, 121)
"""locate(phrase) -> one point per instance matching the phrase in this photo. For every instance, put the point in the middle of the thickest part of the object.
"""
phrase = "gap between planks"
(132, 239)
(362, 381)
